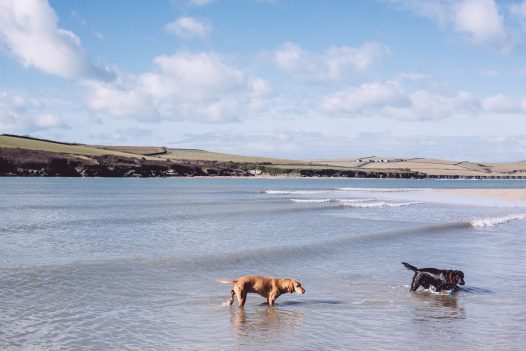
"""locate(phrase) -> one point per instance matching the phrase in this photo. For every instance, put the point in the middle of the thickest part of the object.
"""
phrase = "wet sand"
(502, 194)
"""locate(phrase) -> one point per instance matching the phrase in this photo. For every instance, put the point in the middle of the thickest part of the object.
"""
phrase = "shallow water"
(119, 264)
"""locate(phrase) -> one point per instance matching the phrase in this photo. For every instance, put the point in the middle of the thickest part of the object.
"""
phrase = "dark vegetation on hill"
(22, 162)
(27, 156)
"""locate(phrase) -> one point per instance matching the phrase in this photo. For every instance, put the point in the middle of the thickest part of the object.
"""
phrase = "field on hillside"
(86, 150)
(431, 167)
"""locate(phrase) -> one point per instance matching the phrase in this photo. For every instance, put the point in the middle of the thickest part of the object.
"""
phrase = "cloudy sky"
(303, 79)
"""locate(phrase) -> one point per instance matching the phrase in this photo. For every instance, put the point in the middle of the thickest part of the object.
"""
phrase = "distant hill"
(27, 156)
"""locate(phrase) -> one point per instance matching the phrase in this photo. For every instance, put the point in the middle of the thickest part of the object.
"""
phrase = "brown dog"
(268, 287)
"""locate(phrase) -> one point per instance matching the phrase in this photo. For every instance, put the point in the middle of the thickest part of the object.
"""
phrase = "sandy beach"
(503, 194)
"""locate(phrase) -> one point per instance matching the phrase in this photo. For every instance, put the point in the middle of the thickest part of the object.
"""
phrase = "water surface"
(114, 264)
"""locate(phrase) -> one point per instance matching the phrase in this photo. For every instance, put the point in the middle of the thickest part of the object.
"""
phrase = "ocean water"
(132, 264)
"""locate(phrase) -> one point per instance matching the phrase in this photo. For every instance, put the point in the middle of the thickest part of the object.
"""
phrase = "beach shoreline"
(502, 194)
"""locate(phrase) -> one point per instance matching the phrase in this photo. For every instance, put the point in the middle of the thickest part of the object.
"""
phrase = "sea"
(134, 264)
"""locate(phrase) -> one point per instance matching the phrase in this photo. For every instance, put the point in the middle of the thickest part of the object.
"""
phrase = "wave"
(262, 256)
(383, 190)
(379, 204)
(310, 200)
(345, 201)
(492, 221)
(292, 192)
(320, 200)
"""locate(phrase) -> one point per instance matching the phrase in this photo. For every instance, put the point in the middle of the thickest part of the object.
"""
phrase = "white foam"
(491, 221)
(433, 291)
(291, 192)
(345, 201)
(383, 190)
(310, 200)
(379, 204)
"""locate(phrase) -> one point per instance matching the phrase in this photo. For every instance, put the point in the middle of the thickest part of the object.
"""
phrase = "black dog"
(441, 279)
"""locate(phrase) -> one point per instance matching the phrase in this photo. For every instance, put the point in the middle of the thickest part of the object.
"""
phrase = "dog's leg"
(231, 299)
(243, 299)
(241, 296)
(272, 298)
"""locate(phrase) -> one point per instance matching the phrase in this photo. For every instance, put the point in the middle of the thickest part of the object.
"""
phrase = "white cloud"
(366, 98)
(197, 86)
(22, 115)
(427, 105)
(29, 29)
(120, 99)
(389, 100)
(480, 21)
(333, 64)
(188, 27)
(199, 75)
(503, 104)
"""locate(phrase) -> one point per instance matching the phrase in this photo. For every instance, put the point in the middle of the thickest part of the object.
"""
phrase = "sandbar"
(502, 194)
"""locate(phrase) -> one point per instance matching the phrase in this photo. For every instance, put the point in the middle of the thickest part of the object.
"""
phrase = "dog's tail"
(408, 266)
(227, 281)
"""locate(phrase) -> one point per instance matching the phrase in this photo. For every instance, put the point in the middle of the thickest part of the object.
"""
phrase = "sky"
(303, 79)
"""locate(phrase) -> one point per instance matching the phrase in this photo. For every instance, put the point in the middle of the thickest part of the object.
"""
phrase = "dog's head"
(295, 286)
(458, 277)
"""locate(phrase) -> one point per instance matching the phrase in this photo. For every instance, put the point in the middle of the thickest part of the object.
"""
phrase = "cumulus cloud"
(188, 28)
(199, 86)
(367, 97)
(503, 104)
(479, 21)
(388, 99)
(29, 30)
(19, 114)
(333, 64)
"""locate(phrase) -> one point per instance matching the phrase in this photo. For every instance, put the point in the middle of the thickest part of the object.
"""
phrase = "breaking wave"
(383, 190)
(491, 221)
(310, 200)
(291, 192)
(320, 200)
(379, 204)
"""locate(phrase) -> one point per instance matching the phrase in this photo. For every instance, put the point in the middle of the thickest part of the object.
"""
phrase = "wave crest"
(491, 221)
(291, 192)
(383, 190)
(310, 200)
(379, 204)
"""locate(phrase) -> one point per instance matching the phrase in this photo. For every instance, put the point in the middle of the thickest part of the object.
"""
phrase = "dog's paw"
(225, 304)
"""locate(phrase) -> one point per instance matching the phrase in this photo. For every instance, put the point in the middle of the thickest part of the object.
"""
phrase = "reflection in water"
(265, 324)
(430, 306)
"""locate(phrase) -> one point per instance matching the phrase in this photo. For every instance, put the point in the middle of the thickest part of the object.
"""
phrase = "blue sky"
(292, 79)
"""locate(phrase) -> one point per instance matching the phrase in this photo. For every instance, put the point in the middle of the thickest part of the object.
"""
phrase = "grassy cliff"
(26, 156)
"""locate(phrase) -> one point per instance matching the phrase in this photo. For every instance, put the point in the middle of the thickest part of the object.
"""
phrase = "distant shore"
(33, 157)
